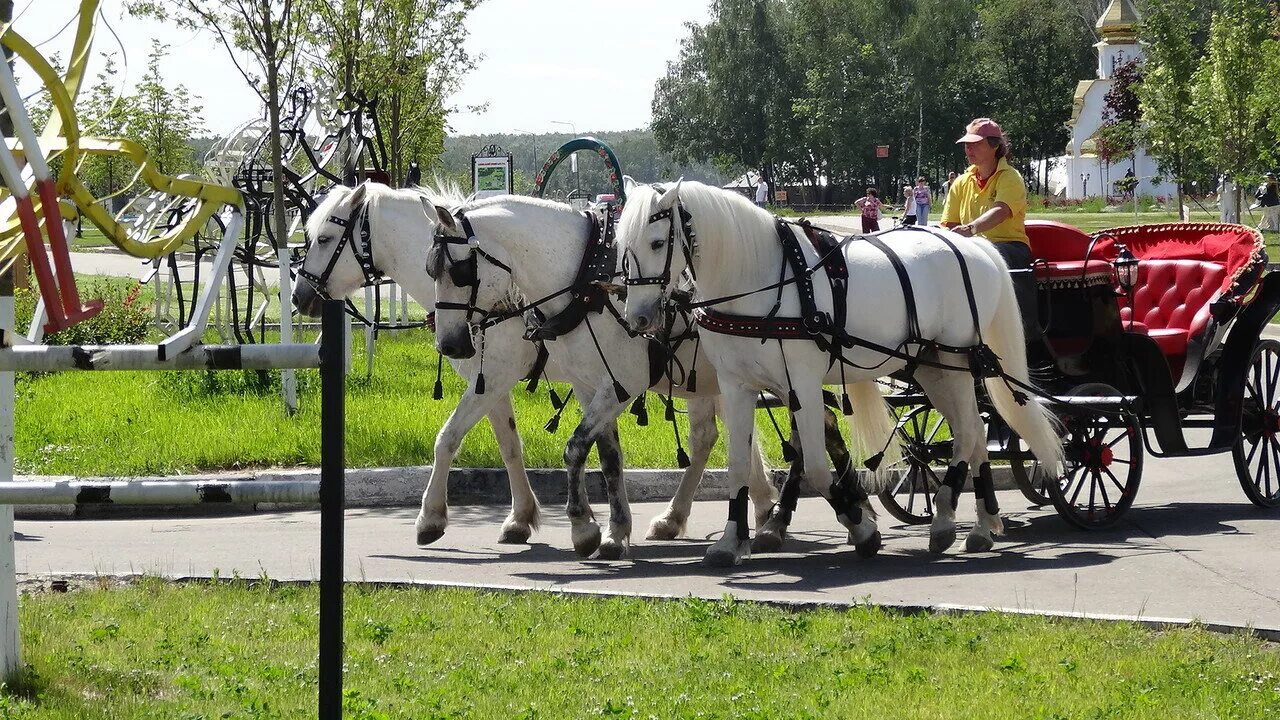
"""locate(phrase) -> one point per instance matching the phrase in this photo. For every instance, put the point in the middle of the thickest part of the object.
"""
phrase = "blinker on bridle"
(464, 273)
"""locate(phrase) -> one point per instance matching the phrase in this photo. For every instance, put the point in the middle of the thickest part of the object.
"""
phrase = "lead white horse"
(736, 251)
(400, 230)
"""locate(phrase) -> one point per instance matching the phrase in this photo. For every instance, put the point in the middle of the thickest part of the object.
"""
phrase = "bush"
(124, 318)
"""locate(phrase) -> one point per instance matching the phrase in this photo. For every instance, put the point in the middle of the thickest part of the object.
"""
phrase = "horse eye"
(325, 239)
(657, 244)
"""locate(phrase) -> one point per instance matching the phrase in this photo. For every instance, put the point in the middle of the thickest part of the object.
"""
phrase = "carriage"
(1154, 331)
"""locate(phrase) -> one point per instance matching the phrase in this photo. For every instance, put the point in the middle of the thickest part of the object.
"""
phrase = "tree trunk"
(271, 52)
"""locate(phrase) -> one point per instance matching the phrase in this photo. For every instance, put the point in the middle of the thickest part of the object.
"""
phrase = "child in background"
(908, 205)
(870, 206)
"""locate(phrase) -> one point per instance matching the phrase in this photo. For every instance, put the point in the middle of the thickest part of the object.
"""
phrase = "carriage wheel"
(1257, 451)
(909, 498)
(1103, 464)
(1031, 479)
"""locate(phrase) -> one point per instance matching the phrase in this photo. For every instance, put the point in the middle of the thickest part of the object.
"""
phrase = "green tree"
(162, 119)
(106, 113)
(722, 98)
(1172, 56)
(1227, 93)
(1038, 50)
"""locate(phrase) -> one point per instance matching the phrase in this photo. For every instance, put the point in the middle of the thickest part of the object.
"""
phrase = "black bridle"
(688, 246)
(362, 251)
(464, 273)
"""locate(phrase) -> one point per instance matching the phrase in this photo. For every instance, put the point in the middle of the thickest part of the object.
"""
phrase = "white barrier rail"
(54, 358)
(72, 492)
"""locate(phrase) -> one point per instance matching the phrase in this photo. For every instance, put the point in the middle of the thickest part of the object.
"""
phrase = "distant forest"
(637, 153)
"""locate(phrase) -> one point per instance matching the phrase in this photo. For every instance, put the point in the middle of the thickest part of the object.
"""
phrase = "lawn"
(162, 423)
(248, 650)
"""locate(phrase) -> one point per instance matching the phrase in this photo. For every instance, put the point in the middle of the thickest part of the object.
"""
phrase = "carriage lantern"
(1126, 268)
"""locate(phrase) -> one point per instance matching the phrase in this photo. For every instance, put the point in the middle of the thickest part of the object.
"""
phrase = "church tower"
(1086, 175)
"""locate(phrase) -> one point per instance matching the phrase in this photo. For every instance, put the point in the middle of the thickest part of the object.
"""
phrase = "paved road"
(1192, 547)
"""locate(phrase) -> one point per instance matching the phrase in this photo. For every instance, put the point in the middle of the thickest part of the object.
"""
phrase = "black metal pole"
(332, 467)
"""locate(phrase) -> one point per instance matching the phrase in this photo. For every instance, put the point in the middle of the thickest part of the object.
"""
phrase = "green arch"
(567, 149)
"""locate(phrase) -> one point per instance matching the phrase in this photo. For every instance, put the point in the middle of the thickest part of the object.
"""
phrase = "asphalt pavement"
(1190, 548)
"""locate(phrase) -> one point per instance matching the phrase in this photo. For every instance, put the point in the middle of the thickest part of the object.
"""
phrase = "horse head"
(330, 268)
(654, 247)
(472, 281)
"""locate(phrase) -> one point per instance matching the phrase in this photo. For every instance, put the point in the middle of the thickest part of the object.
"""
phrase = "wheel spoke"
(1081, 470)
(1119, 485)
(1102, 489)
(1273, 375)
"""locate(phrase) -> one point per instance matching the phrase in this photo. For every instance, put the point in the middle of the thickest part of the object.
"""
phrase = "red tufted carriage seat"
(1170, 302)
(1182, 268)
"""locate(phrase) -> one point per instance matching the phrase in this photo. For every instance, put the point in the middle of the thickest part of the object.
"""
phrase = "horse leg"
(433, 517)
(951, 392)
(810, 428)
(602, 410)
(773, 531)
(739, 418)
(846, 475)
(525, 513)
(702, 437)
(618, 541)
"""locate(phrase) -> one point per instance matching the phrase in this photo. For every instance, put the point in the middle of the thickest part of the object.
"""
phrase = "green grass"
(145, 423)
(239, 650)
(90, 237)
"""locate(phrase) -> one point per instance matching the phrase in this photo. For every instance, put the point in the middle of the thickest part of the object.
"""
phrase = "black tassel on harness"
(619, 391)
(692, 384)
(480, 383)
(846, 407)
(793, 402)
(437, 392)
(553, 424)
(641, 412)
(873, 463)
(682, 458)
(788, 452)
(556, 402)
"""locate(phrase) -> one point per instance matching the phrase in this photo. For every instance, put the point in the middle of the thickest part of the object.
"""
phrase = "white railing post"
(10, 649)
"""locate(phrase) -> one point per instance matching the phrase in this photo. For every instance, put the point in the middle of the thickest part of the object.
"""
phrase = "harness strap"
(908, 294)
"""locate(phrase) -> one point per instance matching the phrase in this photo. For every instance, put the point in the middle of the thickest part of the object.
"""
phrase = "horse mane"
(732, 233)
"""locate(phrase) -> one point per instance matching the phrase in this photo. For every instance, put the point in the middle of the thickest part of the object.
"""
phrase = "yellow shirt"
(966, 202)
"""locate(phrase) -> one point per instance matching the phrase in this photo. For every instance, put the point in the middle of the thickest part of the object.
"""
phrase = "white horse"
(538, 246)
(735, 251)
(400, 231)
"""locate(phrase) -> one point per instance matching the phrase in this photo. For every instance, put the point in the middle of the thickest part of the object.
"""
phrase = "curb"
(403, 487)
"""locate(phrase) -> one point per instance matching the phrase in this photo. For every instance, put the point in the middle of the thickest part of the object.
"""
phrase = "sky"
(546, 65)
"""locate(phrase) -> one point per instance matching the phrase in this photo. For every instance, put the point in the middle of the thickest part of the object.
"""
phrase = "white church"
(1082, 173)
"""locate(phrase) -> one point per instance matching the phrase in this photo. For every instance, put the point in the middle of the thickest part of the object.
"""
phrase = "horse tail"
(873, 429)
(1004, 335)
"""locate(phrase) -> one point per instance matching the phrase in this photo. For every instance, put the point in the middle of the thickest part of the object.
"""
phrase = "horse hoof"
(941, 540)
(978, 543)
(612, 550)
(514, 535)
(766, 541)
(721, 558)
(664, 527)
(870, 547)
(427, 536)
(587, 541)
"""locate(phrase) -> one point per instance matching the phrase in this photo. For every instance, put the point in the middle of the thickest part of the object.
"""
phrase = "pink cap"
(980, 130)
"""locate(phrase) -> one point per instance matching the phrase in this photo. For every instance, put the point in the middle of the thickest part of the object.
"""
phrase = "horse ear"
(628, 184)
(357, 196)
(669, 197)
(445, 217)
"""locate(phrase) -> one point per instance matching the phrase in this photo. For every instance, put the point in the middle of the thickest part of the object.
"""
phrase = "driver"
(990, 200)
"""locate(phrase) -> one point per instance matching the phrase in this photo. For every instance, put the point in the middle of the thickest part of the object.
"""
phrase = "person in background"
(908, 205)
(869, 204)
(990, 200)
(1227, 195)
(1268, 197)
(923, 198)
(762, 192)
(946, 187)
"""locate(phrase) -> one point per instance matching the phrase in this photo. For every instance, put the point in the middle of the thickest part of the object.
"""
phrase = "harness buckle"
(817, 323)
